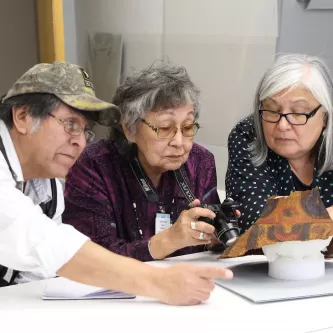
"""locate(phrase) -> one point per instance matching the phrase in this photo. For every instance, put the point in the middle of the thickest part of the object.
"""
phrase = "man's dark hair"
(39, 106)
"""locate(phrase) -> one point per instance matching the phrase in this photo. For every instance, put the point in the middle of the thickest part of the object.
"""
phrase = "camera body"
(225, 221)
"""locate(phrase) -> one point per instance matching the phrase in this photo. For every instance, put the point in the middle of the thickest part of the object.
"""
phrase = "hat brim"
(108, 114)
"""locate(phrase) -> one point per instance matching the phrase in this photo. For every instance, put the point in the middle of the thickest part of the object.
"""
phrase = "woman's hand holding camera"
(189, 231)
(186, 231)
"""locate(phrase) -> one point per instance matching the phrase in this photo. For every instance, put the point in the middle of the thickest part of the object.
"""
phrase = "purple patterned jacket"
(100, 190)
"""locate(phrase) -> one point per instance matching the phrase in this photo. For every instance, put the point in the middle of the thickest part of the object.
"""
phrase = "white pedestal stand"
(296, 260)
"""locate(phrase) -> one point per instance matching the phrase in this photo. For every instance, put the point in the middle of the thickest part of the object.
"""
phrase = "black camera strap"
(151, 195)
(183, 185)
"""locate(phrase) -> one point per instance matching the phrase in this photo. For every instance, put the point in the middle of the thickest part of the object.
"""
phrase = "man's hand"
(185, 284)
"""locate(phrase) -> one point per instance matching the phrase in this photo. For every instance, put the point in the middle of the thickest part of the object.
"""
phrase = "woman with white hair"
(131, 193)
(286, 144)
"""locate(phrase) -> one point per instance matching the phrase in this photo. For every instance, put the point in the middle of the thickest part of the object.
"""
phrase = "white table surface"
(23, 310)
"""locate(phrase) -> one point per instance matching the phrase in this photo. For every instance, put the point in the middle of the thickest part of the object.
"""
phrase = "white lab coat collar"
(39, 190)
(11, 152)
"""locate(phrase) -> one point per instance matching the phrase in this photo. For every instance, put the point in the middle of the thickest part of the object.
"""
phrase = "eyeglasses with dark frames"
(73, 128)
(188, 131)
(293, 118)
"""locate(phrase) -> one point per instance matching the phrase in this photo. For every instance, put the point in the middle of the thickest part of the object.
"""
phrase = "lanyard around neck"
(49, 209)
(149, 192)
(3, 151)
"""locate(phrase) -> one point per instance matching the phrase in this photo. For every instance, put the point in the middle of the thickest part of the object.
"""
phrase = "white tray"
(251, 281)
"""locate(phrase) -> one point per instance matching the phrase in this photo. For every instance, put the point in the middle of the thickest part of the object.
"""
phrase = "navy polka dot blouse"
(250, 186)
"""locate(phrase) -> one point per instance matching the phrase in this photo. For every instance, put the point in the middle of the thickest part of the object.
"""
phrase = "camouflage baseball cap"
(71, 84)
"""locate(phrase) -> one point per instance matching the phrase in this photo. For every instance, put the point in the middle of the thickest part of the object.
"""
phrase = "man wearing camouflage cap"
(44, 127)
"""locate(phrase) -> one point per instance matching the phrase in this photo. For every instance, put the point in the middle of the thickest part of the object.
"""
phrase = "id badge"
(162, 222)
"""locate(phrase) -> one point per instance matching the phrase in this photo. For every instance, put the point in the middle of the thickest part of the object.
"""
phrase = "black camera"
(225, 222)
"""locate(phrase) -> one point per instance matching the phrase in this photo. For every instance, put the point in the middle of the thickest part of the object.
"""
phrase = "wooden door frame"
(50, 26)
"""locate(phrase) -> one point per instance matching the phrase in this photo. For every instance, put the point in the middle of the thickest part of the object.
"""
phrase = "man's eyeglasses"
(293, 118)
(73, 128)
(169, 132)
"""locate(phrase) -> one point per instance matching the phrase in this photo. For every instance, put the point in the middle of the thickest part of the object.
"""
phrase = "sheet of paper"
(62, 288)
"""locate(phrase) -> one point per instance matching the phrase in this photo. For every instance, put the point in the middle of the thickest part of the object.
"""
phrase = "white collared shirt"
(29, 240)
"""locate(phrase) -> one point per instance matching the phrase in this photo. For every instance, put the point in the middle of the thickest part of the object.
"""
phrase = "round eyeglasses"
(293, 118)
(73, 128)
(188, 131)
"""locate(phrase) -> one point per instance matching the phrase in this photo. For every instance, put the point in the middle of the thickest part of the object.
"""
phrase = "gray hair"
(160, 87)
(288, 72)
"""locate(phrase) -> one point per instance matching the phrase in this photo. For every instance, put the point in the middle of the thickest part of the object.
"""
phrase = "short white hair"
(288, 72)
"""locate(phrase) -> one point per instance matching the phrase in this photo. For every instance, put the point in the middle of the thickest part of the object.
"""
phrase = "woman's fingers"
(200, 237)
(202, 227)
(194, 203)
(195, 213)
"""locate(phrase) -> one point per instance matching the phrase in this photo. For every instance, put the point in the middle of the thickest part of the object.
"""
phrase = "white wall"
(140, 22)
(225, 46)
(71, 48)
(18, 36)
(305, 31)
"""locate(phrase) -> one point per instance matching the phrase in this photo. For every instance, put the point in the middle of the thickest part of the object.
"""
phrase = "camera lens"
(225, 221)
(227, 232)
(232, 237)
